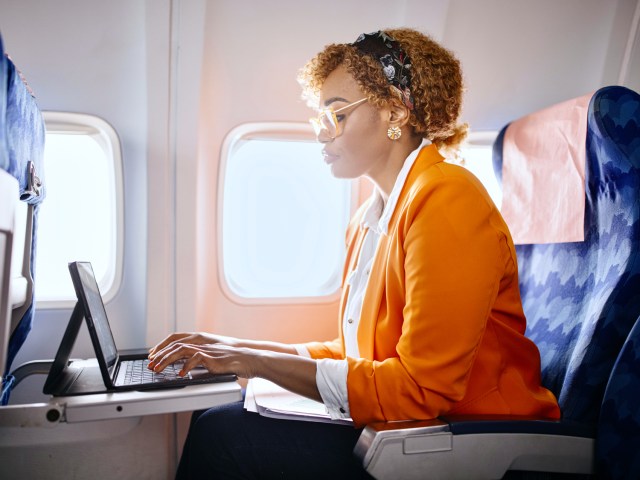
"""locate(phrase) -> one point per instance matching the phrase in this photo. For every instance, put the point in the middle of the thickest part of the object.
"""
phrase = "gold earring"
(394, 133)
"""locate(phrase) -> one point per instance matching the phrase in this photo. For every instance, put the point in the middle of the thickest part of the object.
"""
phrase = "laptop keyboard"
(136, 372)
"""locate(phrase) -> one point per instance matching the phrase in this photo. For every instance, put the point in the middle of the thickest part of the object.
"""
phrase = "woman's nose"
(323, 136)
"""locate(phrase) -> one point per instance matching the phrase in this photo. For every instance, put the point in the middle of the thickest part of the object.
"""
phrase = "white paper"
(271, 400)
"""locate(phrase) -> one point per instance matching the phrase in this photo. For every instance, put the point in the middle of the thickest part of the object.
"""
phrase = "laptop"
(111, 370)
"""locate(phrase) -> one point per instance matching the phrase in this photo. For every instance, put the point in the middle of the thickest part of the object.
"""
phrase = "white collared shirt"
(331, 375)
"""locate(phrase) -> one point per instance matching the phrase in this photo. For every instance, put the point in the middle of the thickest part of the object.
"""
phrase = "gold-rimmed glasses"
(329, 120)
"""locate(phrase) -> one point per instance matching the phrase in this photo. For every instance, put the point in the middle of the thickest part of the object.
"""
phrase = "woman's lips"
(328, 157)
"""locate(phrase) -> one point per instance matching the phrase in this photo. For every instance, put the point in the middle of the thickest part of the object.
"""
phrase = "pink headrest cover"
(543, 174)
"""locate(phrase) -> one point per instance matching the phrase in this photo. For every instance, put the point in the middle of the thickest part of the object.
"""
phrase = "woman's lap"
(229, 442)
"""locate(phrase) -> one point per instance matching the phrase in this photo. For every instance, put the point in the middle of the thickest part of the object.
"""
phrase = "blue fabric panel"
(22, 135)
(469, 424)
(581, 299)
(618, 442)
(4, 148)
(612, 277)
(496, 155)
(23, 131)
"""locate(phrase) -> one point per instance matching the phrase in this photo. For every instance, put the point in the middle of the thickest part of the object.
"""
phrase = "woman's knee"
(212, 447)
(218, 425)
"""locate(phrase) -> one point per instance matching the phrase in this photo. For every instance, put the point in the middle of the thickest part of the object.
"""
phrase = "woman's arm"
(201, 338)
(290, 371)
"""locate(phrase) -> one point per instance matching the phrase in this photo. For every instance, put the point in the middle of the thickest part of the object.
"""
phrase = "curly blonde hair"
(436, 83)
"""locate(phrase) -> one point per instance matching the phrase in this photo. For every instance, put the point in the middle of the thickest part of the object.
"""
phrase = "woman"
(431, 321)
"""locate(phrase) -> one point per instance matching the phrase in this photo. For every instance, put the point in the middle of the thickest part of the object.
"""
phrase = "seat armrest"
(469, 447)
(379, 433)
(468, 424)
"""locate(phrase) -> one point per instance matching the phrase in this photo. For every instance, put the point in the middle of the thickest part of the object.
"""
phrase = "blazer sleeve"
(332, 349)
(448, 258)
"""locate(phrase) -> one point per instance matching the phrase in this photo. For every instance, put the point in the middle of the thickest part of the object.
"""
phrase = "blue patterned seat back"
(581, 299)
(618, 442)
(22, 135)
(22, 130)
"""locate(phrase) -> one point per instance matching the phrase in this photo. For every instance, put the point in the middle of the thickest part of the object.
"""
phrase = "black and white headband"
(395, 63)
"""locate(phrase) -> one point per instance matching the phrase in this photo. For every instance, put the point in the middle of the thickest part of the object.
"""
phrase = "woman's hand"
(293, 372)
(191, 338)
(215, 357)
(201, 338)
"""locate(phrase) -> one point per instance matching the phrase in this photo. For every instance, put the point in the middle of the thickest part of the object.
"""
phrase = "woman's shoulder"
(432, 177)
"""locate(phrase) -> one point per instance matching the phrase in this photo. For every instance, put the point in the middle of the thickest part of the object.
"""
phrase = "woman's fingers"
(171, 354)
(174, 340)
(199, 358)
(215, 358)
(194, 338)
(174, 337)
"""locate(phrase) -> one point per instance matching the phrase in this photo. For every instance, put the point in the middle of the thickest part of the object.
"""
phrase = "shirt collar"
(378, 215)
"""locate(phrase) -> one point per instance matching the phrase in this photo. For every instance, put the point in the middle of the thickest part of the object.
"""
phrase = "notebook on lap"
(111, 370)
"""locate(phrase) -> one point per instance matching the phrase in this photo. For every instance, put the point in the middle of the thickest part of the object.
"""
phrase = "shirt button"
(342, 410)
(350, 320)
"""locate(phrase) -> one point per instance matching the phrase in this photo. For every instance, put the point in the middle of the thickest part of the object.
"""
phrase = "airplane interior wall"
(173, 77)
(516, 59)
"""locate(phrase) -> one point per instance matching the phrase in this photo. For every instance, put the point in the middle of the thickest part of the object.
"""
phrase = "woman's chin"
(339, 172)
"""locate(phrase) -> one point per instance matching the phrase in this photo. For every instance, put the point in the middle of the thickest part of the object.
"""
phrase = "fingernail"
(182, 373)
(151, 365)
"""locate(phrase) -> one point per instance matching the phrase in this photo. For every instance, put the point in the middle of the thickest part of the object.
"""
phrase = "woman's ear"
(398, 113)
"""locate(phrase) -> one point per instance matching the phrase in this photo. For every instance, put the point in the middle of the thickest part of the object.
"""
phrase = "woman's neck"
(385, 179)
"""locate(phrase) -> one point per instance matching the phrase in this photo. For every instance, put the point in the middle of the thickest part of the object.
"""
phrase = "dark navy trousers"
(227, 442)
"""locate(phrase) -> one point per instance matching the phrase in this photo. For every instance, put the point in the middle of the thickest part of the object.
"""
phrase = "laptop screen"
(89, 295)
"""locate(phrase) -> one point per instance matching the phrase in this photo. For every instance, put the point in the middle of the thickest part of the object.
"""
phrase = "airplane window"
(476, 153)
(283, 216)
(79, 220)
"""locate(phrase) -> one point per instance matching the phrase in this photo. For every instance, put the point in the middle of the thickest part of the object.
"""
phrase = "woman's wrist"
(293, 372)
(270, 346)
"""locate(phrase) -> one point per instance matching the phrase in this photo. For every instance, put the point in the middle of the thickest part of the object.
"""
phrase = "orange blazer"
(442, 325)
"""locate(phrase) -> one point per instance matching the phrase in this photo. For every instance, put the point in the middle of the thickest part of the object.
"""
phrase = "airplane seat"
(22, 135)
(618, 441)
(594, 285)
(591, 283)
(581, 298)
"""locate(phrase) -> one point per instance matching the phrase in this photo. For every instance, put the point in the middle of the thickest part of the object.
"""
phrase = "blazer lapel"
(372, 299)
(427, 157)
(353, 254)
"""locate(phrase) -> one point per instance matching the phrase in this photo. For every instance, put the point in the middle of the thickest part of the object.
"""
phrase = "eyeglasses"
(329, 121)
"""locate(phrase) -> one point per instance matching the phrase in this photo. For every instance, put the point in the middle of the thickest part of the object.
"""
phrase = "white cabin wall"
(187, 72)
(109, 59)
(253, 51)
(622, 65)
(630, 71)
(174, 76)
(90, 57)
(517, 56)
(520, 56)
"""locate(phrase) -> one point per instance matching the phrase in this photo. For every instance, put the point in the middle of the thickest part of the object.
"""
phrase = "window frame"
(483, 139)
(107, 138)
(285, 131)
